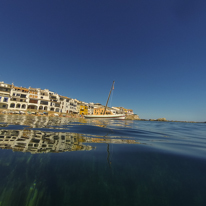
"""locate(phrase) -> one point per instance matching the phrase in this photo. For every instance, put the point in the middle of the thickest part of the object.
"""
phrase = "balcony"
(17, 100)
(3, 105)
(44, 94)
(6, 90)
(33, 101)
(53, 97)
(22, 91)
(33, 96)
(44, 103)
(22, 96)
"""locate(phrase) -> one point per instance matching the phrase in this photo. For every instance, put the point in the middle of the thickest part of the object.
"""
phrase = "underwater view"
(53, 161)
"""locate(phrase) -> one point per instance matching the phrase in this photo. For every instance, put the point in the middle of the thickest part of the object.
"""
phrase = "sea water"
(60, 161)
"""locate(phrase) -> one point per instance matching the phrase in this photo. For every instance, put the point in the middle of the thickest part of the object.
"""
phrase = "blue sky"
(154, 50)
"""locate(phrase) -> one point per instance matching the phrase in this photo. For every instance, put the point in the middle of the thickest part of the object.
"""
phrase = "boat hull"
(114, 116)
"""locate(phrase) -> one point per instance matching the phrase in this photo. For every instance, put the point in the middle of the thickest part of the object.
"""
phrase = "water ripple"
(174, 137)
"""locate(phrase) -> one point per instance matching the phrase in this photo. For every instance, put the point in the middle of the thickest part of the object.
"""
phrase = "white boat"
(104, 115)
(107, 116)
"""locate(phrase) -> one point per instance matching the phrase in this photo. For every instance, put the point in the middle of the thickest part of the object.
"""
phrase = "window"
(4, 89)
(57, 105)
(14, 94)
(5, 99)
(44, 102)
(12, 105)
(23, 96)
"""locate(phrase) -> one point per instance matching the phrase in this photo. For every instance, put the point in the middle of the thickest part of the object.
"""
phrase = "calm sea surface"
(60, 161)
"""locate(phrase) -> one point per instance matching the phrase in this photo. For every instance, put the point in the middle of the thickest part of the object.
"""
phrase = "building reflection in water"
(41, 142)
(29, 139)
(51, 142)
(34, 121)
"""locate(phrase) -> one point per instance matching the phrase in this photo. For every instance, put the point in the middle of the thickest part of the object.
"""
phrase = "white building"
(65, 104)
(5, 90)
(117, 110)
(18, 98)
(55, 103)
(72, 107)
(90, 108)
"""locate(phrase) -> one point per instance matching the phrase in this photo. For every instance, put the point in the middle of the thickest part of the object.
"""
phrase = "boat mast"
(108, 97)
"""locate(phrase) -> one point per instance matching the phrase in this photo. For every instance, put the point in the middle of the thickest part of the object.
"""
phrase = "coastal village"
(21, 100)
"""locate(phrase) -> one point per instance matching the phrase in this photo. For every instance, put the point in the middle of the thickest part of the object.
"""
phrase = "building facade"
(5, 90)
(35, 99)
(83, 110)
(100, 111)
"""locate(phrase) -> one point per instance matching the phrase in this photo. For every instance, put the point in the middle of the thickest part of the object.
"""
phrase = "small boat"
(107, 116)
(104, 115)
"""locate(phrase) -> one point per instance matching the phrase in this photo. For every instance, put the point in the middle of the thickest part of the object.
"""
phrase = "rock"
(161, 119)
(132, 117)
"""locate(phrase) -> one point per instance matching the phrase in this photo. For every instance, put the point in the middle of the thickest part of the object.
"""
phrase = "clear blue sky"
(154, 50)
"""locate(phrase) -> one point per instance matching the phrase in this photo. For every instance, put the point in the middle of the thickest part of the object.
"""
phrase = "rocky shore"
(165, 120)
(132, 117)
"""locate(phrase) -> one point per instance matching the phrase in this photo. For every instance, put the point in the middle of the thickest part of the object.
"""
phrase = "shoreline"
(149, 120)
(40, 114)
(56, 114)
